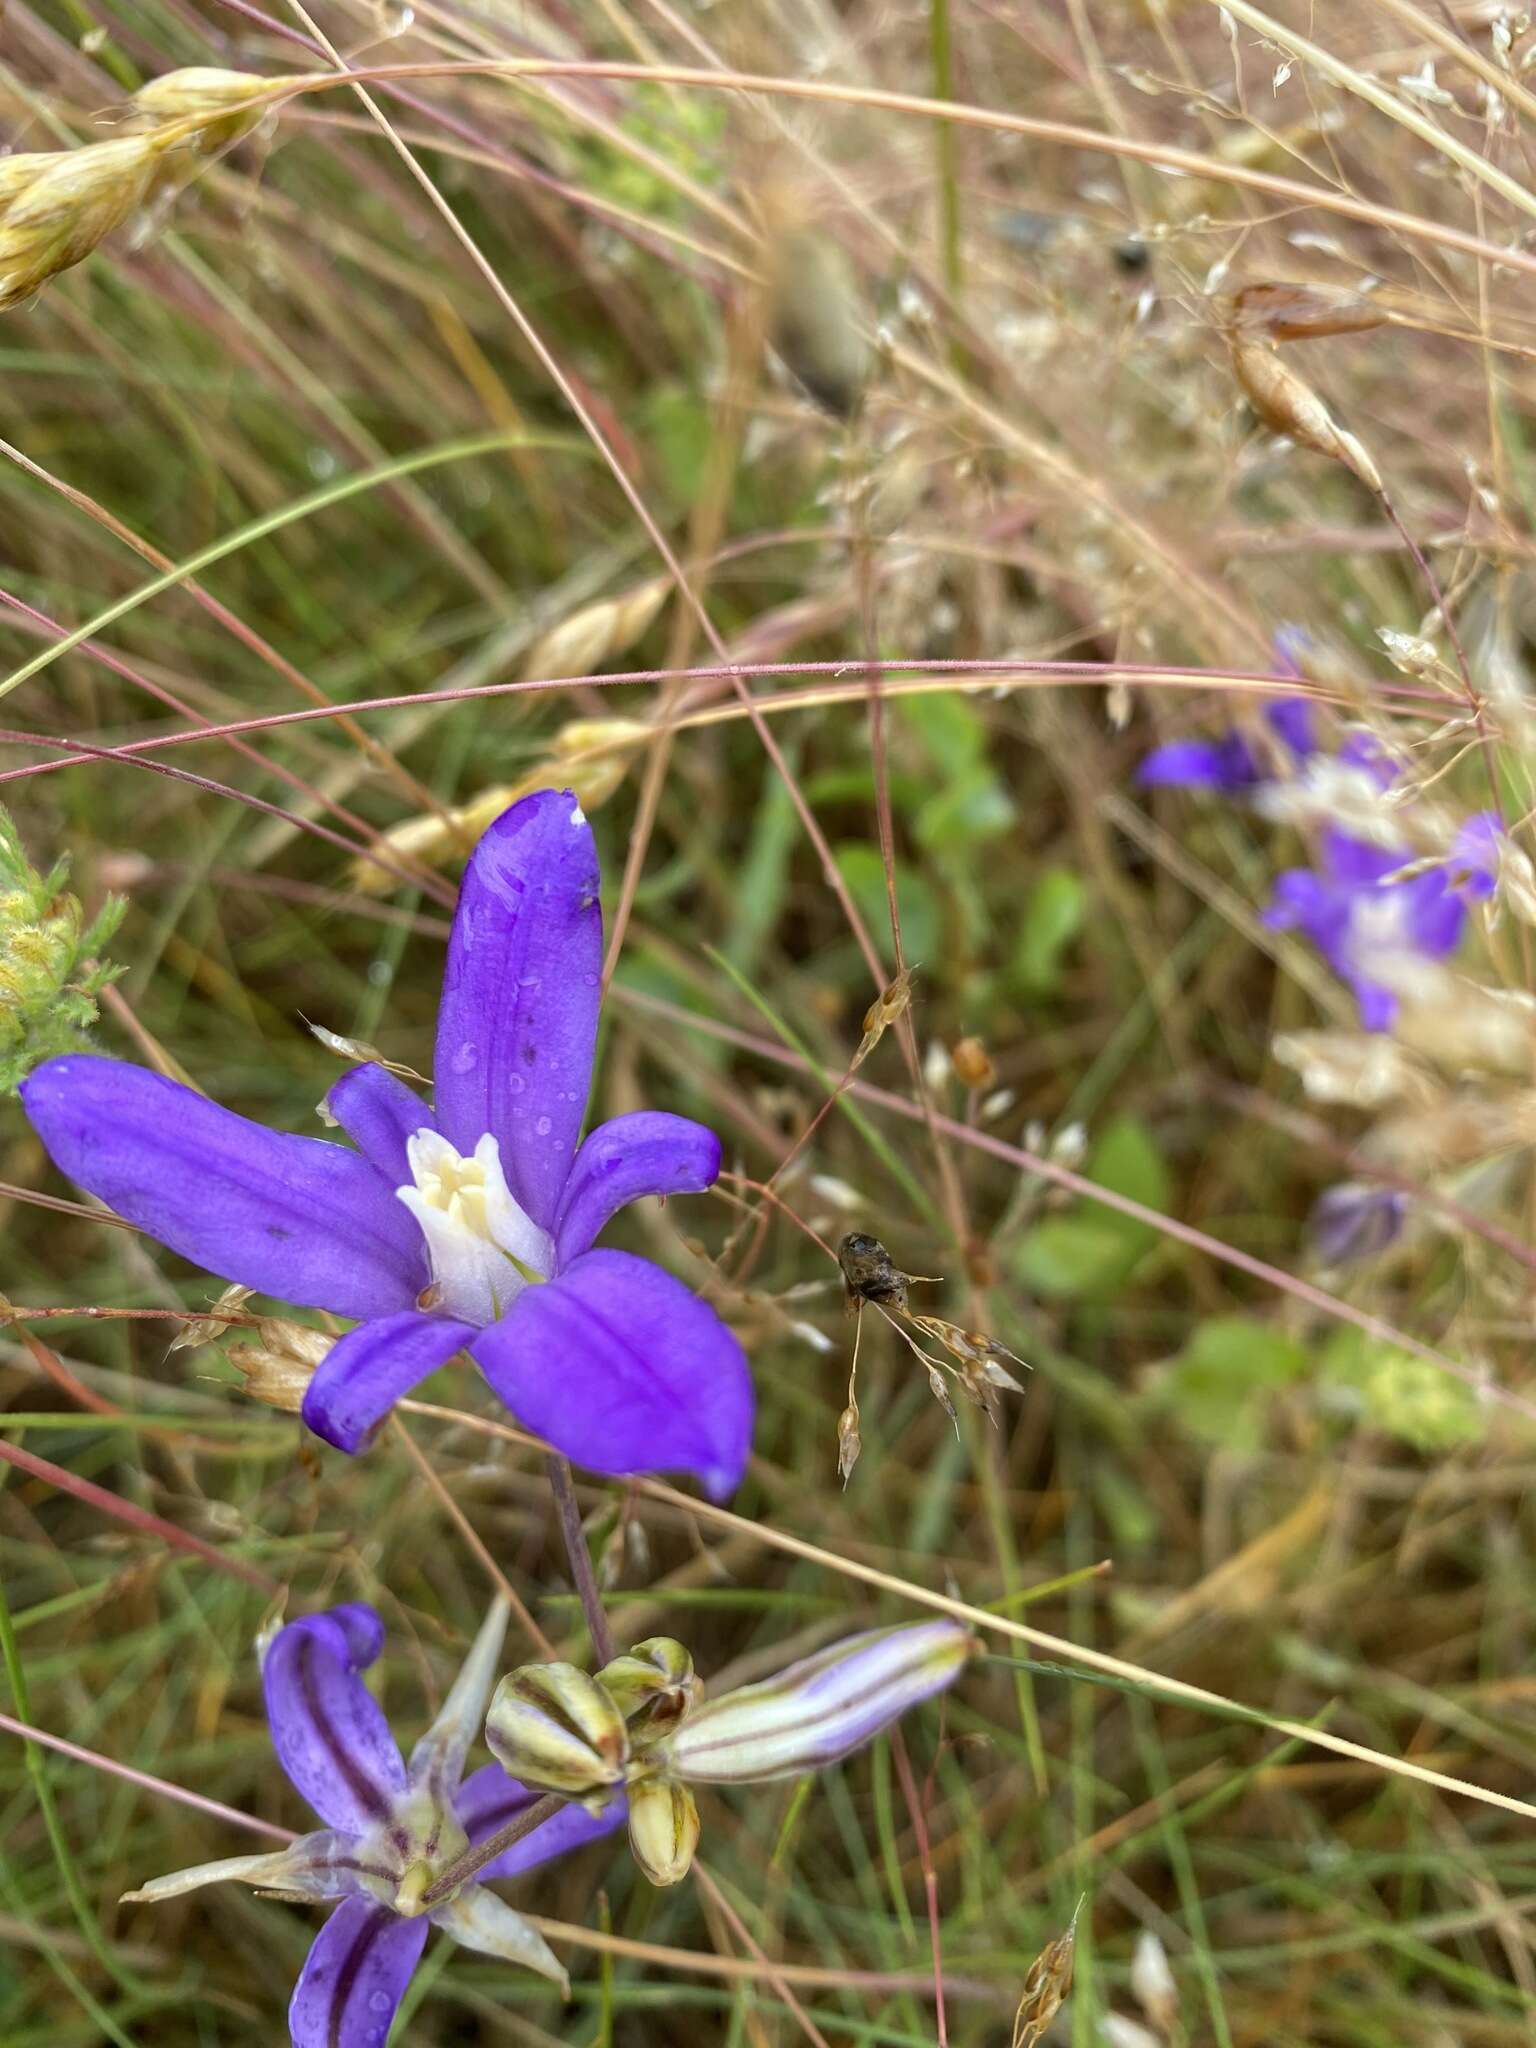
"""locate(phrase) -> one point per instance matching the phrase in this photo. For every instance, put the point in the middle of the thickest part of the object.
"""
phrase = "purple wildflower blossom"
(390, 1828)
(1232, 764)
(1365, 927)
(1356, 1220)
(466, 1227)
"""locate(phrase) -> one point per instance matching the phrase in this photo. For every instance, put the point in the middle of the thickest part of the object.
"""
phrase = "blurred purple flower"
(466, 1227)
(1356, 1220)
(1232, 764)
(390, 1828)
(1475, 855)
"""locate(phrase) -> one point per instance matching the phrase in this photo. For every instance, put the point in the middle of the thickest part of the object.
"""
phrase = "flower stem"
(475, 1858)
(564, 1489)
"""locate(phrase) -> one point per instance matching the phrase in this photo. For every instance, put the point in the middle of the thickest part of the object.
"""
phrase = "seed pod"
(653, 1685)
(1288, 405)
(663, 1829)
(552, 1726)
(1045, 1988)
(1302, 312)
(973, 1064)
(817, 1711)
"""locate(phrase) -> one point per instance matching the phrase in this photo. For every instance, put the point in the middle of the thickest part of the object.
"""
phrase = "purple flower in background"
(1370, 930)
(1232, 764)
(390, 1828)
(469, 1226)
(1356, 1220)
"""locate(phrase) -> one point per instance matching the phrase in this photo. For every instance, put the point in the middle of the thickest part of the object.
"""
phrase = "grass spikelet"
(63, 204)
(596, 634)
(1288, 405)
(590, 756)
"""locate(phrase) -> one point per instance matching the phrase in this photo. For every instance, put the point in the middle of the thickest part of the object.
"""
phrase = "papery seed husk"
(1046, 1986)
(1286, 403)
(654, 1682)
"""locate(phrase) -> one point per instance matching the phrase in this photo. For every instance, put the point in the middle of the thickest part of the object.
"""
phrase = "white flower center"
(484, 1247)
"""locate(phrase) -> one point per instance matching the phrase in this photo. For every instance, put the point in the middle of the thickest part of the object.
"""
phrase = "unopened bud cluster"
(641, 1723)
(57, 205)
(49, 976)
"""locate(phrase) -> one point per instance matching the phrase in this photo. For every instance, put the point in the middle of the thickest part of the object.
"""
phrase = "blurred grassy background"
(299, 373)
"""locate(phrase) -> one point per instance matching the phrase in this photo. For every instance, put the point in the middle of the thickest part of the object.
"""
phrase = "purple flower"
(1372, 930)
(1475, 855)
(1231, 764)
(466, 1227)
(390, 1828)
(1356, 1220)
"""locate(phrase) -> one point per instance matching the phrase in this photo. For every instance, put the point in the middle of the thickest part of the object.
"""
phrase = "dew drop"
(515, 1084)
(465, 1059)
(380, 2002)
(543, 1127)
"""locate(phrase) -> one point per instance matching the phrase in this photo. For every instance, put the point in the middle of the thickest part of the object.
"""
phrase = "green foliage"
(1218, 1386)
(1407, 1397)
(49, 973)
(1053, 917)
(922, 921)
(970, 803)
(1089, 1252)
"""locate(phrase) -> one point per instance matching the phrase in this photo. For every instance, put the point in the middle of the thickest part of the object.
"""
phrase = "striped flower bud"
(653, 1684)
(552, 1726)
(663, 1829)
(817, 1711)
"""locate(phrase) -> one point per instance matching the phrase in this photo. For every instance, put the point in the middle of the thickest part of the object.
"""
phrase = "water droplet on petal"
(515, 1084)
(380, 2002)
(465, 1059)
(543, 1127)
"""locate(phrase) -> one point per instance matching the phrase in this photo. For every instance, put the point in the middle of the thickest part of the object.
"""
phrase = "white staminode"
(485, 1249)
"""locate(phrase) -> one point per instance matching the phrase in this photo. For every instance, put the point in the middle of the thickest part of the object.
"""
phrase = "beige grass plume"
(56, 206)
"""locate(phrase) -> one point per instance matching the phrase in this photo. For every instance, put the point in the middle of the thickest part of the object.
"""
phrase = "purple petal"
(1291, 645)
(617, 1365)
(518, 1023)
(1226, 764)
(1360, 750)
(1433, 915)
(1360, 863)
(1378, 1005)
(645, 1153)
(309, 1222)
(488, 1799)
(1355, 1220)
(365, 1373)
(1294, 720)
(379, 1113)
(355, 1977)
(1475, 854)
(327, 1728)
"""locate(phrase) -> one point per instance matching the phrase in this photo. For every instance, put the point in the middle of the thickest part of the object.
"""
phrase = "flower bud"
(652, 1684)
(817, 1711)
(973, 1064)
(663, 1829)
(552, 1726)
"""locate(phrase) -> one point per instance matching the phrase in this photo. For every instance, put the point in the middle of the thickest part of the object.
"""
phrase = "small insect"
(872, 1279)
(870, 1274)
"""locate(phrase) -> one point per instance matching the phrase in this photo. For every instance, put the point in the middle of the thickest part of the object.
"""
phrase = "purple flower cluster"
(1368, 918)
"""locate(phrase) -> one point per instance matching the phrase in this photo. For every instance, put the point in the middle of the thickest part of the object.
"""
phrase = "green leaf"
(1409, 1398)
(922, 921)
(969, 808)
(1053, 917)
(1090, 1252)
(1219, 1384)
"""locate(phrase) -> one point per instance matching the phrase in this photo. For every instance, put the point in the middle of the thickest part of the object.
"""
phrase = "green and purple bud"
(815, 1712)
(653, 1685)
(552, 1726)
